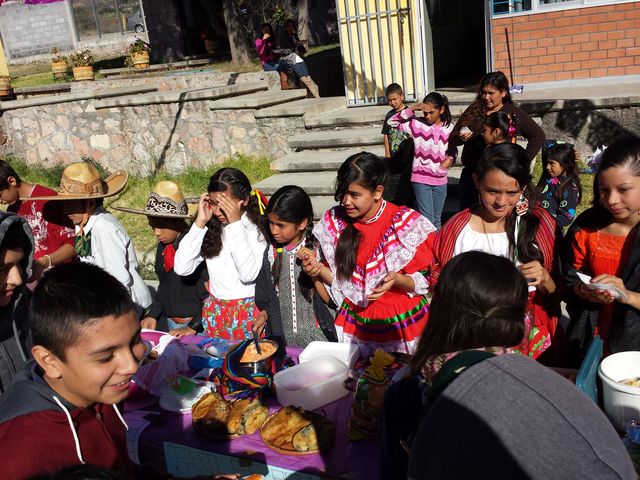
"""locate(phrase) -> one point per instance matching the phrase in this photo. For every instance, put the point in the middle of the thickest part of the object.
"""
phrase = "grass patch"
(192, 181)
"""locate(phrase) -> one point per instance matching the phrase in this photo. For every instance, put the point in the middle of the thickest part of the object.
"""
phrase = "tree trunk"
(303, 21)
(237, 41)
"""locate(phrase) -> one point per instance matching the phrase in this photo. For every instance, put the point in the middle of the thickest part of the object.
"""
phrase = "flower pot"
(140, 60)
(212, 47)
(59, 68)
(5, 87)
(83, 73)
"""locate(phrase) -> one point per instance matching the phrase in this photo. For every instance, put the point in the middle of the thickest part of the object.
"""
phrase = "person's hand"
(383, 287)
(613, 282)
(465, 134)
(310, 264)
(534, 273)
(447, 163)
(149, 323)
(594, 296)
(417, 107)
(266, 36)
(39, 266)
(205, 211)
(231, 209)
(260, 322)
(182, 332)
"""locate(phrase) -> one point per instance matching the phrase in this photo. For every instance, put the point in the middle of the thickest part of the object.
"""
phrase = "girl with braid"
(377, 256)
(293, 306)
(228, 234)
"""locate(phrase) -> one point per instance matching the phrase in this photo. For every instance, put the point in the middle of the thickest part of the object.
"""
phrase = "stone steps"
(259, 100)
(184, 95)
(336, 138)
(306, 107)
(317, 160)
(361, 115)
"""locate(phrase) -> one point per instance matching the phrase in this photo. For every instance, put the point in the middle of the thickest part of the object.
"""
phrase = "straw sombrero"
(165, 200)
(81, 181)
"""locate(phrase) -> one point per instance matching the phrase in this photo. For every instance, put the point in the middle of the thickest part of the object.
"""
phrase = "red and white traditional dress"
(396, 239)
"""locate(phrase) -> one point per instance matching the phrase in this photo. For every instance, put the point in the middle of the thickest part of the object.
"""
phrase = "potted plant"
(82, 63)
(59, 65)
(138, 54)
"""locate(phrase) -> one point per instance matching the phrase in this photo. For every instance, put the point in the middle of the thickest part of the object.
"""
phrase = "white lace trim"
(421, 284)
(395, 259)
(367, 349)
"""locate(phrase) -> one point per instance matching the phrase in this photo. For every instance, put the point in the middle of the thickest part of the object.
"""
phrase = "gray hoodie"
(15, 334)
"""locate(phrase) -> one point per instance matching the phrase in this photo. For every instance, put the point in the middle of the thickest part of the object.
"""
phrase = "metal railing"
(95, 18)
(505, 7)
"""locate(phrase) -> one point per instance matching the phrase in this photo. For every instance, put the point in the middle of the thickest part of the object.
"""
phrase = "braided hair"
(236, 183)
(292, 204)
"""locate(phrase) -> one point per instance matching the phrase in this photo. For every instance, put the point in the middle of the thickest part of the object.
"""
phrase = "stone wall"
(144, 138)
(29, 30)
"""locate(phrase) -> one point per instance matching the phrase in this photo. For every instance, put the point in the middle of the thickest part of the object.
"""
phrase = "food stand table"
(169, 442)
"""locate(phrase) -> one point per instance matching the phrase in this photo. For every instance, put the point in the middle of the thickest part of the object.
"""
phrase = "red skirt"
(228, 319)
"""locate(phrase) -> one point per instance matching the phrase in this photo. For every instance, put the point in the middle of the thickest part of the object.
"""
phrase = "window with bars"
(505, 7)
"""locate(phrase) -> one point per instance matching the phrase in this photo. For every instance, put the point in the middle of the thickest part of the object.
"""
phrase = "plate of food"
(295, 431)
(220, 419)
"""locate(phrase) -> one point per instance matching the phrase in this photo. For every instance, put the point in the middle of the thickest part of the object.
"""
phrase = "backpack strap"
(449, 372)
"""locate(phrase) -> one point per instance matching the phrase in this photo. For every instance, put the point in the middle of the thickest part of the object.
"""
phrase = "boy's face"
(166, 230)
(99, 366)
(75, 210)
(10, 195)
(10, 273)
(395, 100)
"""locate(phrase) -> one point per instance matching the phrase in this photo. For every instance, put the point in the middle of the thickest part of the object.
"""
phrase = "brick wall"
(569, 44)
(33, 29)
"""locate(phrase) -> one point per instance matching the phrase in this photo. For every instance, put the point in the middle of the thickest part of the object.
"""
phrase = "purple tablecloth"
(347, 459)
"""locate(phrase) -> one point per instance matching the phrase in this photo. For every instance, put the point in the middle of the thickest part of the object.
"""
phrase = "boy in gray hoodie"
(16, 256)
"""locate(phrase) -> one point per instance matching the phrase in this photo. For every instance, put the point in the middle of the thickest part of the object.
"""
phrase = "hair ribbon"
(258, 194)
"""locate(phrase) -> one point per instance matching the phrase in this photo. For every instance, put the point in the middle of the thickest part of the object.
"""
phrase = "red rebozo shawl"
(542, 315)
(398, 239)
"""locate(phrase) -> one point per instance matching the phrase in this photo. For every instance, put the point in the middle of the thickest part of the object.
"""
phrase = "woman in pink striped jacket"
(430, 161)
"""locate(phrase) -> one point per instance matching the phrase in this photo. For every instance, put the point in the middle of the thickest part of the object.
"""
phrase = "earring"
(522, 206)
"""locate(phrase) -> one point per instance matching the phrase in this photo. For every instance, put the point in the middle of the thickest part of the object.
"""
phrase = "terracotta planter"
(212, 46)
(140, 60)
(83, 73)
(59, 68)
(5, 87)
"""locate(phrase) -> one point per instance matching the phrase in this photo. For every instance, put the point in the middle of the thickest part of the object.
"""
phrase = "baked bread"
(293, 429)
(216, 417)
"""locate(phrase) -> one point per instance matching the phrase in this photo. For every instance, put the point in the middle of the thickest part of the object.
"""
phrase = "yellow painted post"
(5, 80)
(4, 69)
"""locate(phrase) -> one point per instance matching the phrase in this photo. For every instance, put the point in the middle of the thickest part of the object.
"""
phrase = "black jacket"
(179, 296)
(625, 324)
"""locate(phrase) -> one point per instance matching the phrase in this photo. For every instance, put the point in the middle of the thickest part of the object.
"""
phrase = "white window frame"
(536, 7)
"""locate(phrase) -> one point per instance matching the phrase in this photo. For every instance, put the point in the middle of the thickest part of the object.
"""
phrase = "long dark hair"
(369, 171)
(260, 34)
(292, 204)
(565, 155)
(477, 109)
(439, 101)
(467, 311)
(239, 186)
(512, 160)
(506, 123)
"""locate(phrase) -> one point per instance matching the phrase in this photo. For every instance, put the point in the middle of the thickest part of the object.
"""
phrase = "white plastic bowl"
(345, 352)
(312, 384)
(621, 402)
